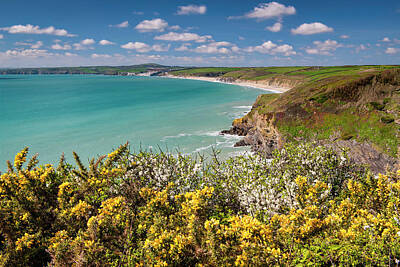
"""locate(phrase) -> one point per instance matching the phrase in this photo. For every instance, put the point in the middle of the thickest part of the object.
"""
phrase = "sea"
(94, 114)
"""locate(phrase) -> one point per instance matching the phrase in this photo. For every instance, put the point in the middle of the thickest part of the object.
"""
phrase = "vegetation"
(107, 70)
(308, 206)
(330, 103)
(301, 74)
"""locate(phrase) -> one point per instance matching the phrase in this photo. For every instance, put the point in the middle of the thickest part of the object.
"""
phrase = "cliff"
(358, 112)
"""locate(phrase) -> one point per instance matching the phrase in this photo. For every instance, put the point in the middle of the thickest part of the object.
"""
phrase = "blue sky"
(202, 33)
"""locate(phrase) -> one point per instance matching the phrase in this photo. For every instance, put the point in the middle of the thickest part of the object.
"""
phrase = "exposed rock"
(364, 153)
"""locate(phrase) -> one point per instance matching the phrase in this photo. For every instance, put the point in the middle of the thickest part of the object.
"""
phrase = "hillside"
(106, 70)
(357, 107)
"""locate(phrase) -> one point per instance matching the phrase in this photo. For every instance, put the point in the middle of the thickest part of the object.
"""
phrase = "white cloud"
(361, 47)
(184, 47)
(183, 37)
(57, 46)
(138, 46)
(100, 56)
(30, 29)
(175, 28)
(275, 28)
(323, 48)
(36, 45)
(88, 42)
(344, 36)
(391, 51)
(144, 48)
(124, 24)
(84, 44)
(106, 42)
(160, 48)
(192, 9)
(269, 11)
(33, 53)
(272, 49)
(68, 54)
(154, 25)
(235, 49)
(386, 39)
(1, 36)
(312, 28)
(212, 48)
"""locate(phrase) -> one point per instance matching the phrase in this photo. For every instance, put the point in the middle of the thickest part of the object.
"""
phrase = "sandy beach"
(253, 84)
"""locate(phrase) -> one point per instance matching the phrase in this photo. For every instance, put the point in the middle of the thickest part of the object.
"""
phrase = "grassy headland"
(353, 104)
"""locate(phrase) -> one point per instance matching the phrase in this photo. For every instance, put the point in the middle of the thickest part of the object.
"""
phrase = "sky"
(49, 33)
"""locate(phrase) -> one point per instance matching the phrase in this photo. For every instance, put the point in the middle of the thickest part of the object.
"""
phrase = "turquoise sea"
(92, 114)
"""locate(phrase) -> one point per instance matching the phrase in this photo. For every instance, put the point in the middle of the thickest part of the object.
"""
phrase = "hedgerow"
(306, 206)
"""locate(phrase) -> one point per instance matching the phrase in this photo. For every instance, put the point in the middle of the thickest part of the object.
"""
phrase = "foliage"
(306, 206)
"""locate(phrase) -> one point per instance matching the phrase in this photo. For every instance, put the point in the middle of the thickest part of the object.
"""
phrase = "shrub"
(306, 206)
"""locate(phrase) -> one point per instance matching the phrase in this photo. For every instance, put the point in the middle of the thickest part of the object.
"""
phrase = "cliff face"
(359, 114)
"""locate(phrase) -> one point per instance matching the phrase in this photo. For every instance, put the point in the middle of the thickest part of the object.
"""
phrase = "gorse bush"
(306, 206)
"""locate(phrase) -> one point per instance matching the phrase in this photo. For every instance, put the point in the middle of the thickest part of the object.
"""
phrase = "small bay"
(92, 114)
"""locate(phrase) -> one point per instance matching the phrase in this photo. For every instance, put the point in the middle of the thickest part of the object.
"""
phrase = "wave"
(243, 107)
(208, 133)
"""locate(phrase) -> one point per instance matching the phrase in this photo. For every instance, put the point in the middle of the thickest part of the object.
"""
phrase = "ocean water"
(92, 114)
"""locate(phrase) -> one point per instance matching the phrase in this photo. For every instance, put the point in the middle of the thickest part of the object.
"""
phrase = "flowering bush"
(306, 206)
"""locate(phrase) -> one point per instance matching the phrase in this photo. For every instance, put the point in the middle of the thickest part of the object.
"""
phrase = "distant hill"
(106, 70)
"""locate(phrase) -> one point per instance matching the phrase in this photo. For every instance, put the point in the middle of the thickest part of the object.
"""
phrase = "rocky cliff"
(360, 114)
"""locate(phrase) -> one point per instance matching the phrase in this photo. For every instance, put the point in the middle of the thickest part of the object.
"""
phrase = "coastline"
(274, 89)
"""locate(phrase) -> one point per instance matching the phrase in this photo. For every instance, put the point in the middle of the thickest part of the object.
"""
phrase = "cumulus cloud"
(161, 48)
(94, 56)
(1, 36)
(268, 11)
(84, 44)
(154, 25)
(68, 54)
(87, 42)
(344, 36)
(106, 42)
(124, 24)
(36, 45)
(183, 37)
(272, 49)
(33, 53)
(391, 51)
(277, 27)
(386, 40)
(175, 28)
(312, 28)
(214, 48)
(323, 48)
(57, 46)
(144, 48)
(31, 29)
(191, 9)
(138, 46)
(360, 48)
(184, 47)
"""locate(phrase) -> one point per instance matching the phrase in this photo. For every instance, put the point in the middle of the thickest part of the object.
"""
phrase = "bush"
(306, 206)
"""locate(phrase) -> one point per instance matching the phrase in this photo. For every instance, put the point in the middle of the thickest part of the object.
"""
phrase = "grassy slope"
(345, 102)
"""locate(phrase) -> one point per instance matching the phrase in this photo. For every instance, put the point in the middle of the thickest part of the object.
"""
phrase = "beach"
(245, 83)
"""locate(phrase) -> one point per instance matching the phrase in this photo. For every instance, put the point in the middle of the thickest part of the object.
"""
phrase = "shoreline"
(251, 84)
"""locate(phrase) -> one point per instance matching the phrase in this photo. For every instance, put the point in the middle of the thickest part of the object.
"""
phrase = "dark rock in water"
(242, 142)
(240, 131)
